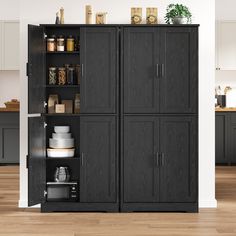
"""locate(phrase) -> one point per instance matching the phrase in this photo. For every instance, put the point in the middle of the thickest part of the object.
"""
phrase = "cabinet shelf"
(64, 52)
(63, 158)
(62, 86)
(61, 114)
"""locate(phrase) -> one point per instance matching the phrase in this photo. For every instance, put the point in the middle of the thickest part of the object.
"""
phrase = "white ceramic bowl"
(61, 152)
(61, 143)
(61, 135)
(61, 129)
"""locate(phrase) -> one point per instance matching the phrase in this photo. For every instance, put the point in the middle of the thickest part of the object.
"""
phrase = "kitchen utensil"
(61, 143)
(61, 152)
(62, 174)
(61, 129)
(61, 135)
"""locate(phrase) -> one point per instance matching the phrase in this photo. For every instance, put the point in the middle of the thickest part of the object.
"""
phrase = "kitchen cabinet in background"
(9, 45)
(9, 137)
(226, 45)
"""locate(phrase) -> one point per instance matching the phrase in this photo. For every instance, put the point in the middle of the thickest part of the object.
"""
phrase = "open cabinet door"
(36, 69)
(36, 161)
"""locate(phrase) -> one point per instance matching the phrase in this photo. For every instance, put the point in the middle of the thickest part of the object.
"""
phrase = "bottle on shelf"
(77, 103)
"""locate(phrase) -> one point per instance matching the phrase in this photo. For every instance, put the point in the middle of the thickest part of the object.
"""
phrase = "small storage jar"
(51, 43)
(60, 44)
(70, 44)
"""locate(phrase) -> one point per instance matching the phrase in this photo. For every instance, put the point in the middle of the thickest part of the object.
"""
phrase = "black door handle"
(162, 159)
(162, 70)
(157, 159)
(158, 71)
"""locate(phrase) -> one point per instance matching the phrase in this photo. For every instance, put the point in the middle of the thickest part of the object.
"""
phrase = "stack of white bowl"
(61, 144)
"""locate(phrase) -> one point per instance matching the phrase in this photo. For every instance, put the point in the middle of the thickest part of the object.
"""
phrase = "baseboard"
(208, 203)
(24, 204)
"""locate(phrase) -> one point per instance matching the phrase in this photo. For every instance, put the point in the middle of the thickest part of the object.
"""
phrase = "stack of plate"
(61, 144)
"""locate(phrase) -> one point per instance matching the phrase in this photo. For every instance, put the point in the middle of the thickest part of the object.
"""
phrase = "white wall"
(225, 12)
(35, 12)
(9, 80)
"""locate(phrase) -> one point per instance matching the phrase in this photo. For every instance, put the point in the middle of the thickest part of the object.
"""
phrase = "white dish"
(61, 129)
(61, 152)
(61, 135)
(61, 143)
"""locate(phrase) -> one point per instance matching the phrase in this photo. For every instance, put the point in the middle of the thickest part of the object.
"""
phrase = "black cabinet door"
(141, 83)
(178, 172)
(140, 166)
(9, 143)
(231, 138)
(98, 137)
(36, 160)
(179, 69)
(36, 69)
(221, 138)
(99, 68)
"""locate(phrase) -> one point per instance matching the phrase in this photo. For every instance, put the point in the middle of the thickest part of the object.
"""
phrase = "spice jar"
(61, 75)
(70, 44)
(71, 75)
(77, 103)
(52, 75)
(51, 44)
(77, 73)
(60, 44)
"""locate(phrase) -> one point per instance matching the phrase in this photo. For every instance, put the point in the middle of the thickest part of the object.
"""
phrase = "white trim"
(24, 204)
(208, 203)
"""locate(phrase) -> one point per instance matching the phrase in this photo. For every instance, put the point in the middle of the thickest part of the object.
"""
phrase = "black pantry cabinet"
(136, 136)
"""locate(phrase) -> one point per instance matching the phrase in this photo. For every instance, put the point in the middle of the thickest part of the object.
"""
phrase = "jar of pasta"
(51, 44)
(61, 75)
(52, 75)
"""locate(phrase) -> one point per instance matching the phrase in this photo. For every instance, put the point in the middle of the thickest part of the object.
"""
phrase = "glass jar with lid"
(51, 43)
(71, 76)
(61, 43)
(61, 75)
(52, 75)
(70, 44)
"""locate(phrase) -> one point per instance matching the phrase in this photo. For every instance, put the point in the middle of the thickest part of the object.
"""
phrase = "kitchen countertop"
(4, 109)
(225, 109)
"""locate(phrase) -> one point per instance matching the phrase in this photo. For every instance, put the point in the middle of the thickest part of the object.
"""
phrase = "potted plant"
(177, 14)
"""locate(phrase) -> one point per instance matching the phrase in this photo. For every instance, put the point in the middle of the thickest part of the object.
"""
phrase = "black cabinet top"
(117, 25)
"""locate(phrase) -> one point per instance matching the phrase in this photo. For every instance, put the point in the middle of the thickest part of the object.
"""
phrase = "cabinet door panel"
(140, 172)
(179, 57)
(141, 85)
(178, 173)
(36, 161)
(36, 69)
(231, 138)
(98, 159)
(9, 144)
(99, 70)
(221, 139)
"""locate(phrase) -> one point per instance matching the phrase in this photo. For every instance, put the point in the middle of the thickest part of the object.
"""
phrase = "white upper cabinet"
(226, 45)
(10, 46)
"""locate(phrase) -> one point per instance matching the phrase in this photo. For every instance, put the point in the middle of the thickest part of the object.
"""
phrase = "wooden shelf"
(61, 114)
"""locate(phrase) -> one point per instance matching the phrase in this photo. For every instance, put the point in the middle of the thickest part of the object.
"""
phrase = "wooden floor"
(30, 222)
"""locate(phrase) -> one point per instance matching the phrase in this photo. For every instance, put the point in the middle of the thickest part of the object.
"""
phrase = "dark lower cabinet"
(98, 164)
(225, 138)
(160, 163)
(9, 138)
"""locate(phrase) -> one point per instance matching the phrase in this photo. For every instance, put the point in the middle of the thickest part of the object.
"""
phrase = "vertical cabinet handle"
(162, 70)
(157, 159)
(82, 159)
(158, 70)
(162, 159)
(82, 70)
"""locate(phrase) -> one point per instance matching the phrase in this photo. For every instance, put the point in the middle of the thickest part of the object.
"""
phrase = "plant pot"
(178, 20)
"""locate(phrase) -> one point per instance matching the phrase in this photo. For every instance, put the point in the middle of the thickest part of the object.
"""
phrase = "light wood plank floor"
(30, 222)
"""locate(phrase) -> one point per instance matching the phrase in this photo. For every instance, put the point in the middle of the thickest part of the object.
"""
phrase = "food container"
(51, 44)
(70, 44)
(71, 75)
(60, 152)
(62, 129)
(61, 143)
(52, 75)
(13, 104)
(61, 135)
(62, 174)
(61, 75)
(61, 44)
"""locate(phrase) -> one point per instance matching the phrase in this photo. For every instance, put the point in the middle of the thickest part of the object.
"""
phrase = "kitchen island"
(9, 136)
(225, 136)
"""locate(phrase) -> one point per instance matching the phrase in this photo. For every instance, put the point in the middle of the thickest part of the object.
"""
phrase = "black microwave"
(59, 191)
